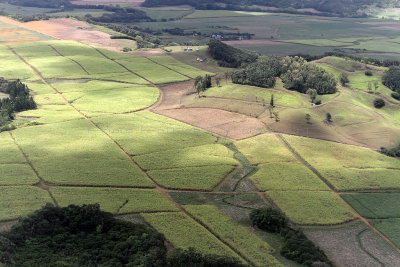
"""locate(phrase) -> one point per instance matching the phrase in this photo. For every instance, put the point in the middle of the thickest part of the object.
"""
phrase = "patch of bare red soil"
(228, 124)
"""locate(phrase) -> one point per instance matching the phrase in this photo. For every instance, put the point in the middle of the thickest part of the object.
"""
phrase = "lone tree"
(344, 78)
(312, 93)
(376, 86)
(276, 115)
(218, 81)
(308, 118)
(328, 117)
(272, 102)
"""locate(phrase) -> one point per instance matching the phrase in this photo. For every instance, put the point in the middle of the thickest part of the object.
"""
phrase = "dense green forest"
(344, 7)
(18, 100)
(86, 236)
(228, 56)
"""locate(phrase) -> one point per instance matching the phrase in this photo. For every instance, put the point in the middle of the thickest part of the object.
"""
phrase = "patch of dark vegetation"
(261, 73)
(41, 3)
(391, 78)
(379, 103)
(86, 236)
(295, 73)
(201, 84)
(228, 56)
(18, 100)
(120, 15)
(364, 60)
(391, 152)
(327, 8)
(297, 246)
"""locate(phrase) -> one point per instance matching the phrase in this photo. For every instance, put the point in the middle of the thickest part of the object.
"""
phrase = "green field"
(240, 238)
(17, 174)
(184, 232)
(76, 152)
(348, 167)
(145, 132)
(114, 200)
(305, 207)
(200, 178)
(287, 176)
(18, 201)
(390, 228)
(375, 205)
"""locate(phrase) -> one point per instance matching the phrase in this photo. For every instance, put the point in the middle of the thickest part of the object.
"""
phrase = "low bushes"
(379, 103)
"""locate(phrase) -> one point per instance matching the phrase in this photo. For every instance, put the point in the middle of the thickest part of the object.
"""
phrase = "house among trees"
(188, 49)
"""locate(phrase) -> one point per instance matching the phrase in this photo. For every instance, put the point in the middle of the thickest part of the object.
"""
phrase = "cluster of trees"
(299, 75)
(228, 56)
(391, 78)
(295, 72)
(297, 246)
(41, 3)
(121, 15)
(202, 83)
(338, 7)
(86, 236)
(18, 100)
(261, 73)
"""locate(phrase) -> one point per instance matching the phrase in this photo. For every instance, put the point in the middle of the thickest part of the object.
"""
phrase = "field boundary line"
(335, 192)
(42, 182)
(76, 62)
(360, 244)
(88, 119)
(180, 73)
(208, 229)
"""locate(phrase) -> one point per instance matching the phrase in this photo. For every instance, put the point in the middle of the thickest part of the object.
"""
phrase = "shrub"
(344, 78)
(379, 103)
(368, 73)
(396, 95)
(318, 102)
(268, 219)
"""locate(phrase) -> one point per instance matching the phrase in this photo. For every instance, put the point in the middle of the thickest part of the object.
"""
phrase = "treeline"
(295, 72)
(297, 246)
(41, 3)
(86, 236)
(18, 100)
(338, 7)
(121, 15)
(364, 60)
(228, 56)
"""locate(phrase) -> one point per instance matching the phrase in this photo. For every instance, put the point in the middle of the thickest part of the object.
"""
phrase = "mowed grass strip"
(114, 200)
(145, 132)
(348, 167)
(312, 208)
(206, 155)
(122, 100)
(17, 201)
(287, 176)
(184, 232)
(375, 205)
(390, 228)
(9, 150)
(266, 148)
(77, 153)
(152, 71)
(178, 66)
(240, 238)
(17, 174)
(195, 178)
